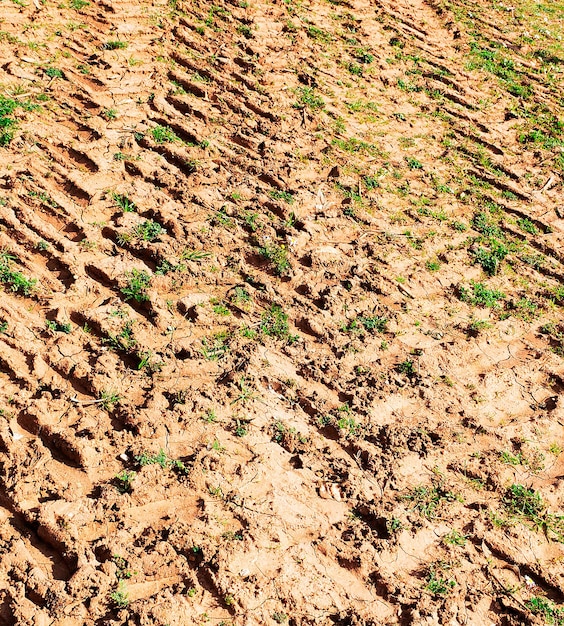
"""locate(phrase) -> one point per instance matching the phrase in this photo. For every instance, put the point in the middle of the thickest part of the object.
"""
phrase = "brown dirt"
(197, 457)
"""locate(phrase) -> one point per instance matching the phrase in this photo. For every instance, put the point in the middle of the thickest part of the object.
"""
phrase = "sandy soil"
(281, 324)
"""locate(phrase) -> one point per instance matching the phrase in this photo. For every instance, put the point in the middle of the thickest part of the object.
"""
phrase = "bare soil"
(282, 325)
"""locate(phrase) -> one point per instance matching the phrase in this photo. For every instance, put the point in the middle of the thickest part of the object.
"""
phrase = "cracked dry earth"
(281, 323)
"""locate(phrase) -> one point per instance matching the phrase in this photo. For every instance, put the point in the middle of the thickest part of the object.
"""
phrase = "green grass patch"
(479, 295)
(138, 281)
(14, 279)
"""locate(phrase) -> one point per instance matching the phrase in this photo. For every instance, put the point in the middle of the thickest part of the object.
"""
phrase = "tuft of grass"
(120, 597)
(58, 327)
(308, 99)
(282, 195)
(277, 255)
(154, 459)
(54, 72)
(438, 585)
(109, 400)
(541, 606)
(426, 500)
(354, 146)
(115, 45)
(164, 134)
(148, 230)
(8, 124)
(370, 323)
(15, 280)
(138, 281)
(124, 340)
(123, 481)
(528, 505)
(124, 203)
(194, 255)
(480, 295)
(274, 323)
(454, 538)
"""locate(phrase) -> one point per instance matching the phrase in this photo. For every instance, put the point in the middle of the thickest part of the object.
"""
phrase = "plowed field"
(281, 312)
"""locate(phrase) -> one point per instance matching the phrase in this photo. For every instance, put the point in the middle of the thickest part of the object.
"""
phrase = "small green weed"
(122, 564)
(108, 400)
(282, 195)
(245, 30)
(454, 538)
(154, 459)
(274, 323)
(221, 309)
(138, 281)
(319, 35)
(124, 340)
(363, 56)
(148, 230)
(527, 226)
(241, 297)
(528, 505)
(511, 459)
(439, 586)
(484, 224)
(370, 323)
(308, 99)
(59, 327)
(277, 255)
(164, 134)
(522, 501)
(54, 72)
(15, 280)
(240, 429)
(78, 5)
(549, 611)
(216, 347)
(109, 114)
(120, 597)
(480, 295)
(490, 259)
(555, 333)
(426, 500)
(124, 203)
(414, 164)
(115, 45)
(194, 255)
(123, 481)
(406, 367)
